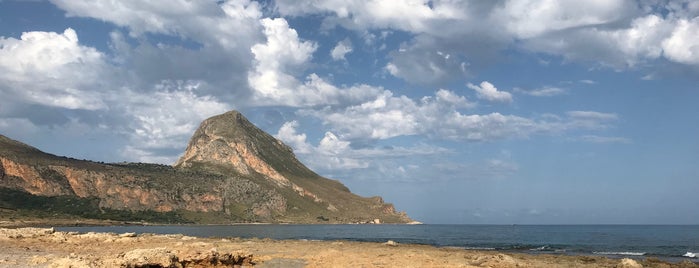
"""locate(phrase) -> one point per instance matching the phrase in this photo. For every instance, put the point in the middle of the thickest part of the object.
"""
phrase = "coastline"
(45, 247)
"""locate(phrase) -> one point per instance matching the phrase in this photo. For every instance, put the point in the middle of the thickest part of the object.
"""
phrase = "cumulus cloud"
(328, 155)
(683, 45)
(277, 64)
(333, 154)
(289, 135)
(52, 69)
(442, 116)
(488, 91)
(389, 116)
(341, 49)
(167, 117)
(276, 59)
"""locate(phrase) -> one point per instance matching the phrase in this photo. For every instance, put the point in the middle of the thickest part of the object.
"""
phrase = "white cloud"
(407, 15)
(277, 61)
(386, 117)
(288, 134)
(283, 48)
(592, 115)
(52, 69)
(328, 155)
(531, 18)
(341, 49)
(590, 119)
(333, 154)
(167, 117)
(488, 91)
(541, 92)
(389, 116)
(431, 23)
(211, 40)
(227, 24)
(646, 38)
(440, 117)
(683, 44)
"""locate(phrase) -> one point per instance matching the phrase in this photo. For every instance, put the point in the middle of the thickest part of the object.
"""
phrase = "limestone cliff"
(231, 171)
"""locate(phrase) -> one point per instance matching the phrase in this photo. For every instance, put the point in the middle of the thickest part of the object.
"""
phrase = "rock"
(498, 260)
(128, 235)
(163, 257)
(628, 263)
(376, 221)
(28, 232)
(391, 243)
(152, 257)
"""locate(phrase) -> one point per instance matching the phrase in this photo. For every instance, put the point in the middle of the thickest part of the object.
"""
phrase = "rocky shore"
(42, 247)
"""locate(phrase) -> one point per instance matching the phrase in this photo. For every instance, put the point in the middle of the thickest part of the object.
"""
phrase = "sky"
(475, 112)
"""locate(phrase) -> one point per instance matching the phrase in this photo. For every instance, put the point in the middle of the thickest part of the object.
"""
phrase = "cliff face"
(231, 171)
(116, 187)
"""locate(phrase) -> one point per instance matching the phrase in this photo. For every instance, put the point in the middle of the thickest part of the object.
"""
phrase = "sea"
(667, 242)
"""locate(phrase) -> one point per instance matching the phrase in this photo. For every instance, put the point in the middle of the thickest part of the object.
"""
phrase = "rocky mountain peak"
(230, 140)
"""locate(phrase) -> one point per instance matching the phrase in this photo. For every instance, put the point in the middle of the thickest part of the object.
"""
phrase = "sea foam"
(690, 255)
(627, 253)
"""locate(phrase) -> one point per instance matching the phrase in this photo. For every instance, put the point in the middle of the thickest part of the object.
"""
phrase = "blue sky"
(508, 111)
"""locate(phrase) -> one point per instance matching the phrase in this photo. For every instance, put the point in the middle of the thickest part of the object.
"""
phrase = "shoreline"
(42, 247)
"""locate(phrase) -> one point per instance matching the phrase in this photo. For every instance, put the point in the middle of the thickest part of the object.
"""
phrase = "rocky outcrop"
(41, 181)
(231, 170)
(231, 140)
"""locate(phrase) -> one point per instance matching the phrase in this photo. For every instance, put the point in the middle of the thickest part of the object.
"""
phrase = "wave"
(542, 248)
(479, 248)
(691, 255)
(626, 253)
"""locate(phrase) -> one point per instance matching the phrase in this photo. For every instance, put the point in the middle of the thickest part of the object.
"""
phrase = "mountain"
(230, 172)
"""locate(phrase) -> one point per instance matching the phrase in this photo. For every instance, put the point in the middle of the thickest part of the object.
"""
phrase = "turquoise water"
(664, 241)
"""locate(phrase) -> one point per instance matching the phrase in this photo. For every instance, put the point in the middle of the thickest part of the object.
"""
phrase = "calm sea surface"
(665, 241)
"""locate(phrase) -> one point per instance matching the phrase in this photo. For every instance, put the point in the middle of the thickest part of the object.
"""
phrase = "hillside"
(230, 172)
